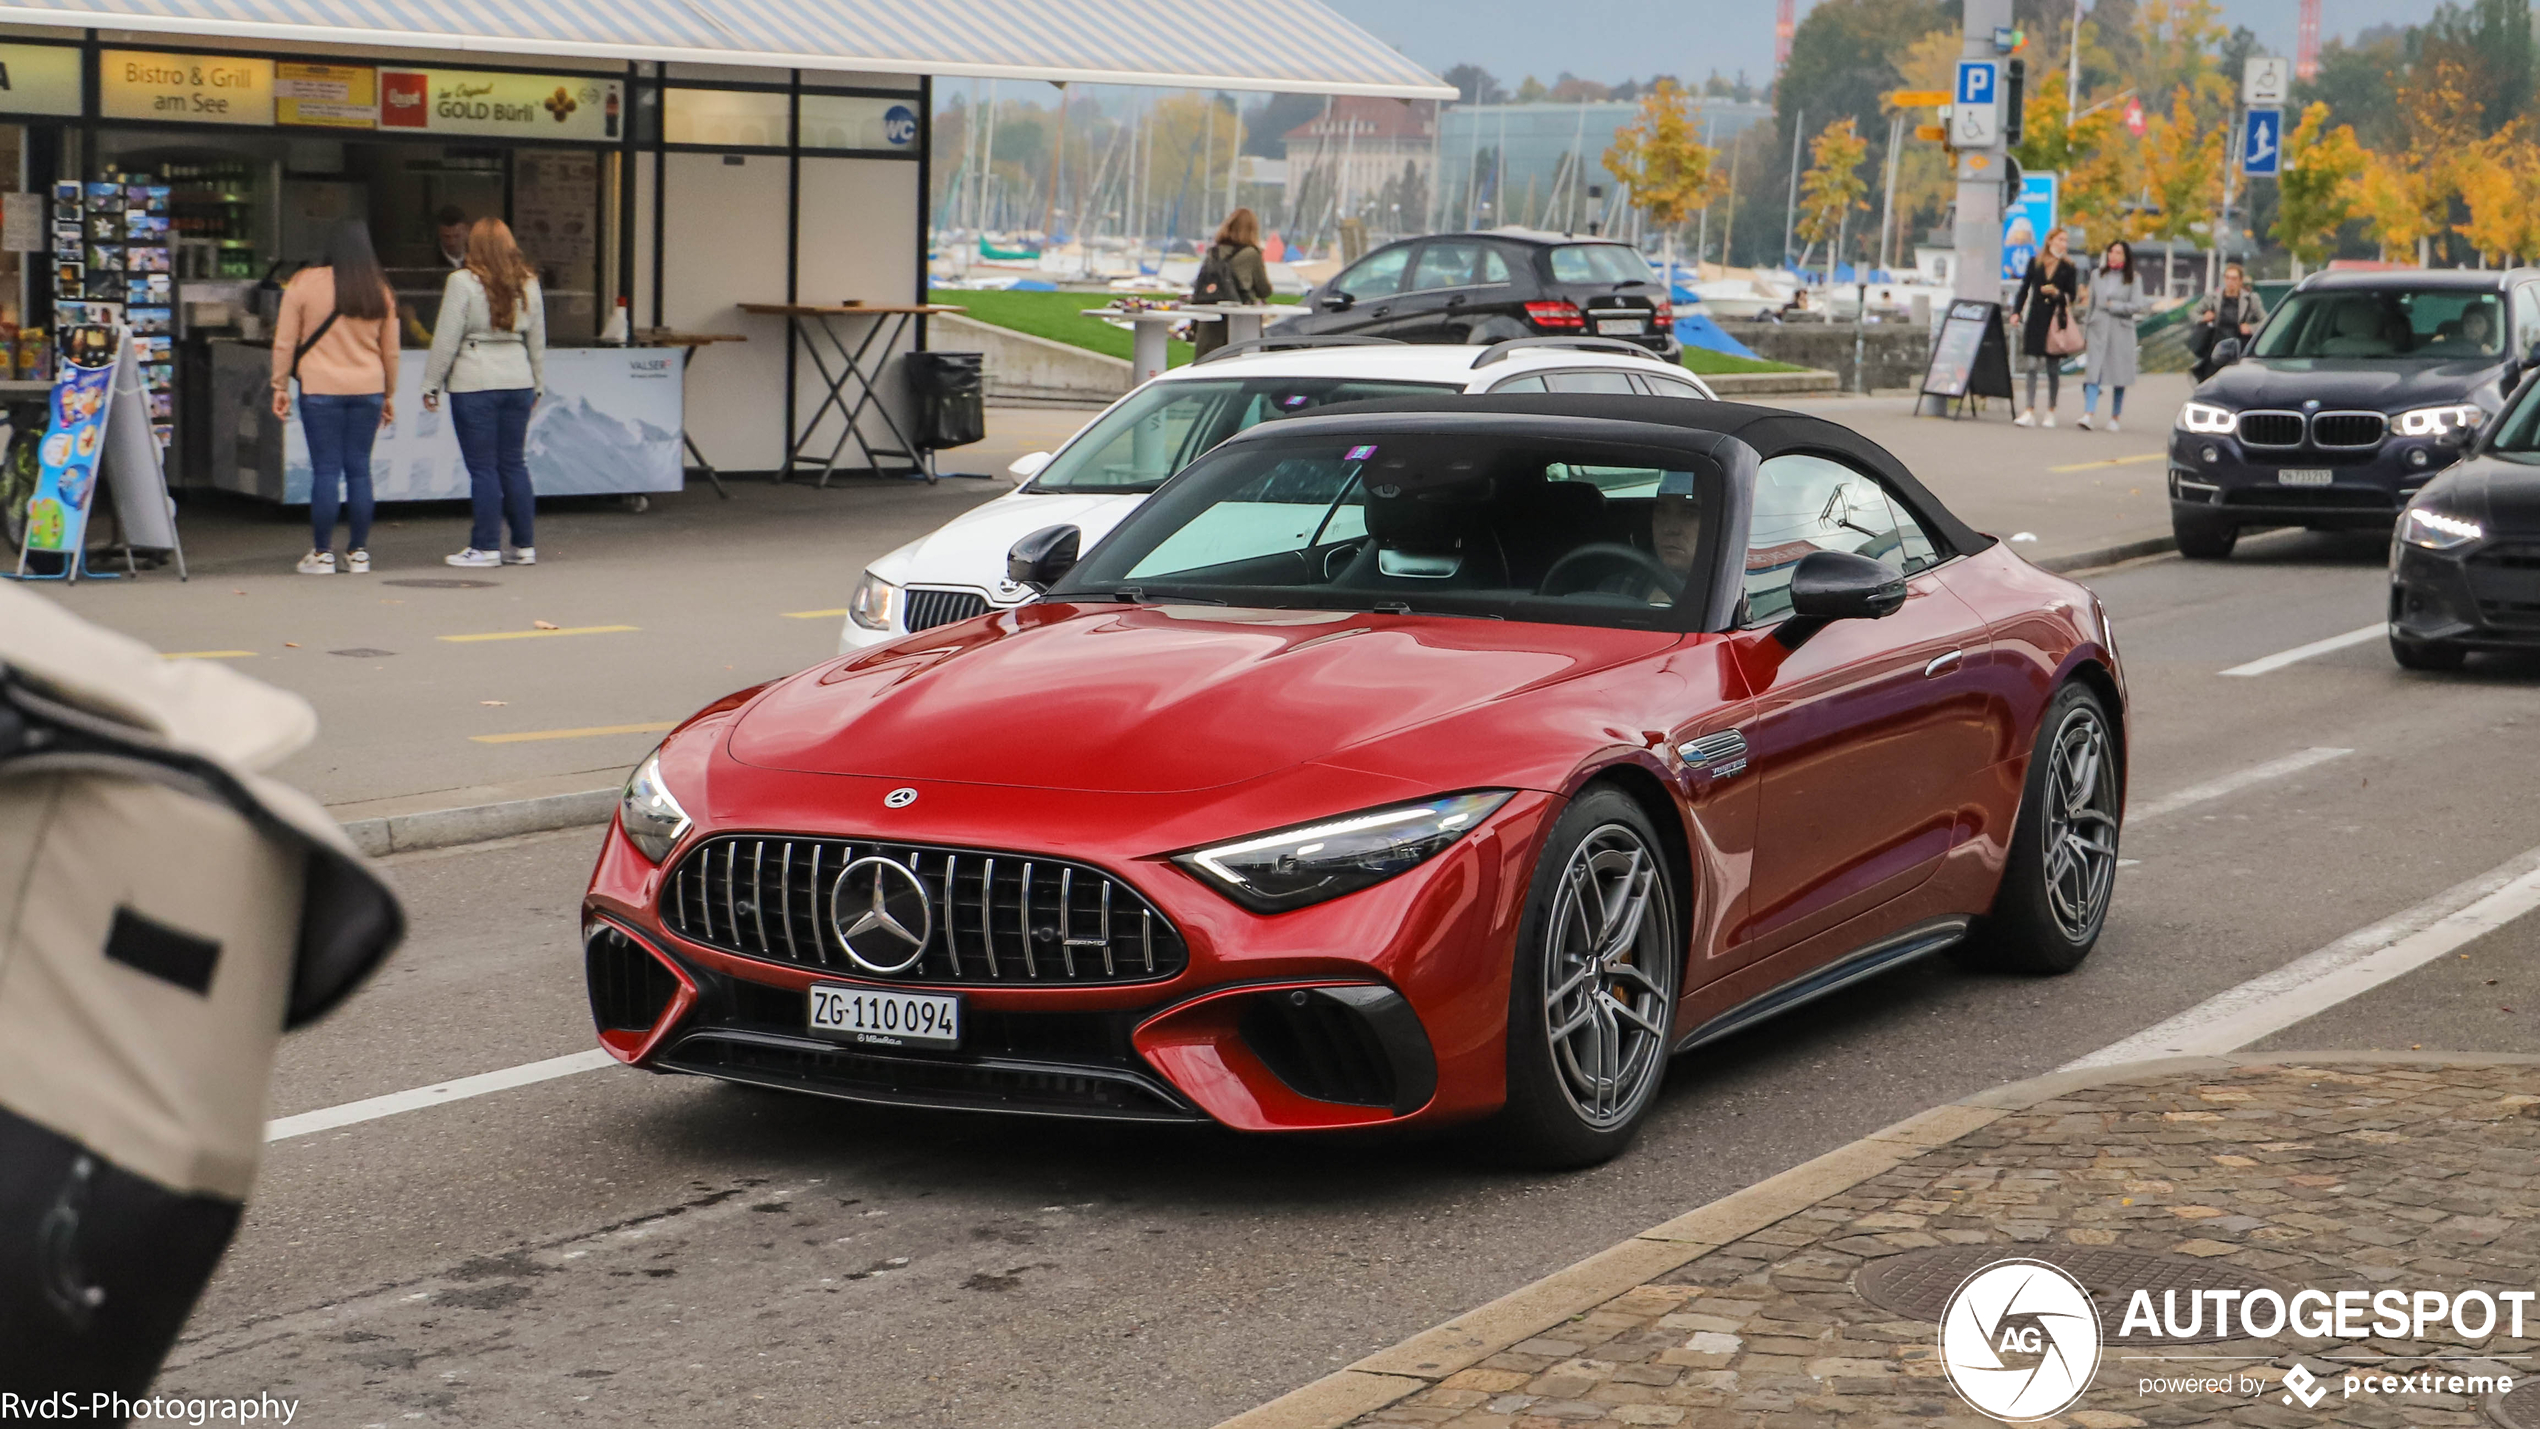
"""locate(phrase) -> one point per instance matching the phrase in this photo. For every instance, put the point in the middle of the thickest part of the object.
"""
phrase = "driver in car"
(1675, 535)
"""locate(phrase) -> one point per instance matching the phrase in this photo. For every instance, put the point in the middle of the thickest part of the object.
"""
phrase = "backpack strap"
(310, 341)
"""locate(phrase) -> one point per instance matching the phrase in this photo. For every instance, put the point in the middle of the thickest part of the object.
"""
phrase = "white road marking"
(2195, 794)
(373, 1108)
(2299, 653)
(2345, 969)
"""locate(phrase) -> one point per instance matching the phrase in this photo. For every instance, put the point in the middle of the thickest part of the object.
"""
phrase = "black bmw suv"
(2355, 393)
(1488, 287)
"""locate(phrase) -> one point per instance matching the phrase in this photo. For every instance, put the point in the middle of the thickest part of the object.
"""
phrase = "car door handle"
(1943, 664)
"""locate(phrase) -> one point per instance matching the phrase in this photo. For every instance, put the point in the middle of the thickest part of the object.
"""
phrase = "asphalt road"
(616, 1247)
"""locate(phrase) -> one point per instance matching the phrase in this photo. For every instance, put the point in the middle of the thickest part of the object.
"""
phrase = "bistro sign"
(197, 89)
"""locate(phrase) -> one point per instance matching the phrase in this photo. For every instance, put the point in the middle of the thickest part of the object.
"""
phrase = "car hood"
(969, 550)
(1153, 699)
(2347, 383)
(2502, 495)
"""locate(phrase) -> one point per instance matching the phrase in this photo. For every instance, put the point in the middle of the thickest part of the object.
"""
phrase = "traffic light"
(2013, 100)
(2011, 181)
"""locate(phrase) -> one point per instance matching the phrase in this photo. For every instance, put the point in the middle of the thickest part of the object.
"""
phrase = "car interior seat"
(1431, 538)
(2358, 328)
(1547, 520)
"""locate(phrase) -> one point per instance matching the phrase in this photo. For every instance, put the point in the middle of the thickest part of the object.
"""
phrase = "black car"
(2465, 562)
(1489, 287)
(2355, 393)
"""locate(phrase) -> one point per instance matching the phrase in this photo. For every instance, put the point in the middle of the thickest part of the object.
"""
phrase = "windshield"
(1600, 263)
(2516, 437)
(2426, 323)
(1456, 525)
(1161, 430)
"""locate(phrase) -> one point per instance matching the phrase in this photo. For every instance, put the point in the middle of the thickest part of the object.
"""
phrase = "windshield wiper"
(1137, 595)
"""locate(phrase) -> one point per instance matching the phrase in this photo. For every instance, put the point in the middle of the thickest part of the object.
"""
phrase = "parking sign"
(2262, 144)
(1975, 115)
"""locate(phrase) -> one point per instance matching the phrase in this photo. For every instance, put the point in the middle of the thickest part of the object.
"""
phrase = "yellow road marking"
(207, 654)
(2112, 461)
(526, 735)
(815, 614)
(536, 634)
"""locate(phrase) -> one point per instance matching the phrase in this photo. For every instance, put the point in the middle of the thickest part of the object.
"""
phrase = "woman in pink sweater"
(337, 335)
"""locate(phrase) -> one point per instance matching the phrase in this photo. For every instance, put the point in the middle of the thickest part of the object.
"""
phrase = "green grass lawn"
(1060, 317)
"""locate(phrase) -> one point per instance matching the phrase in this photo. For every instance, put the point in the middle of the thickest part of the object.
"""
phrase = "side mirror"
(1028, 465)
(2456, 438)
(1827, 586)
(1336, 301)
(2227, 352)
(1040, 559)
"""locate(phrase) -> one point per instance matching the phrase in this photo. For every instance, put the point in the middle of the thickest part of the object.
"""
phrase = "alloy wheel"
(2080, 827)
(1608, 979)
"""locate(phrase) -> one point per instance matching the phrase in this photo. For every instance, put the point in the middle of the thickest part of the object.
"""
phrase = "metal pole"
(1887, 206)
(1790, 214)
(1978, 229)
(1702, 238)
(2072, 82)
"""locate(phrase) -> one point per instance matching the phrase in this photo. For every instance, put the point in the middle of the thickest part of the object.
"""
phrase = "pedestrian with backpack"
(337, 337)
(1231, 271)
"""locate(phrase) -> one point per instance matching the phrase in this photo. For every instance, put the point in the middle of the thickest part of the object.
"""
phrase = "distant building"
(1364, 158)
(1533, 165)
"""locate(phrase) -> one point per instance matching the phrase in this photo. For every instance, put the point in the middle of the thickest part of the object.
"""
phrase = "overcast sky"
(1611, 40)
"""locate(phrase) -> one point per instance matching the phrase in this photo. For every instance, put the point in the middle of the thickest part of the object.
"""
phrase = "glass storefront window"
(728, 117)
(859, 121)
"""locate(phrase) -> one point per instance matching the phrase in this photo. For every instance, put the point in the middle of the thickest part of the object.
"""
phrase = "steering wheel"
(1605, 556)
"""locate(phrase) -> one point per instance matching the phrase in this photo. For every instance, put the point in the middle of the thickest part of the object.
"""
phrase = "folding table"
(689, 342)
(818, 327)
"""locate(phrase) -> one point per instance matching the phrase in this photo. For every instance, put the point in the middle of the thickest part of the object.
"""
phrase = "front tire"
(1592, 996)
(2202, 537)
(2057, 883)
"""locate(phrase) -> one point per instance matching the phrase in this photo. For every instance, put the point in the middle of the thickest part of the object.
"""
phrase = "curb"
(1393, 1374)
(478, 823)
(1808, 382)
(2106, 555)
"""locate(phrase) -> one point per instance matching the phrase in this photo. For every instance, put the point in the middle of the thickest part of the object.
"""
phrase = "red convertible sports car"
(1421, 761)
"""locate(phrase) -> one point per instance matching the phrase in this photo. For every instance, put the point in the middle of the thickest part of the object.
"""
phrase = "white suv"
(1114, 461)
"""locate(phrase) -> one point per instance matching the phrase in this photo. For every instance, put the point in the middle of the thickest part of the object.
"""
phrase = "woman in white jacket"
(489, 352)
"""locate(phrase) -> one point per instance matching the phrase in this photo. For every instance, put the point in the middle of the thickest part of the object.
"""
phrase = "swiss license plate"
(1620, 327)
(2302, 476)
(886, 1019)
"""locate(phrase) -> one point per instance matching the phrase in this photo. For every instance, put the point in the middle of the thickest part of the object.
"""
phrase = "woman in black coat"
(2045, 290)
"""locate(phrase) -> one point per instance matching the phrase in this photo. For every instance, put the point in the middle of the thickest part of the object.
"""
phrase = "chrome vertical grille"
(998, 918)
(930, 608)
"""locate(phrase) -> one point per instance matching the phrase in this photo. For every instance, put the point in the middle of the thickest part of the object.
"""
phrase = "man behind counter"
(450, 225)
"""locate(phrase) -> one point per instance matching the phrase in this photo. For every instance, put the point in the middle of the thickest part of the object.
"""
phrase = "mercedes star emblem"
(899, 798)
(882, 915)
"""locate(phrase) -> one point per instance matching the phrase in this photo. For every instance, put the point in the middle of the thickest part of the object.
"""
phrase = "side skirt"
(1920, 941)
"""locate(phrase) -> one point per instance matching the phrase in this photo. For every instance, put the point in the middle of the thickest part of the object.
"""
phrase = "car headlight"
(874, 603)
(652, 819)
(2435, 421)
(2437, 530)
(1294, 867)
(2205, 419)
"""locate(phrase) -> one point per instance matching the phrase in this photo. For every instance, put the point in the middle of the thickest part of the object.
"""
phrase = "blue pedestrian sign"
(2262, 144)
(1975, 81)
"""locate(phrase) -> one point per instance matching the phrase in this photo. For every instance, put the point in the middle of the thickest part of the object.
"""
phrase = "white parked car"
(1114, 461)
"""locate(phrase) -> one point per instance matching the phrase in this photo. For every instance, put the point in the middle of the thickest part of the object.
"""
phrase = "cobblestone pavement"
(2340, 1176)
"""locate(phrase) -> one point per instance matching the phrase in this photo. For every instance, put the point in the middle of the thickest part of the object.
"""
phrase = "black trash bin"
(951, 398)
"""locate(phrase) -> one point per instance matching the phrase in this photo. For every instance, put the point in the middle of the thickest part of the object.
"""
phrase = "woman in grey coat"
(2112, 305)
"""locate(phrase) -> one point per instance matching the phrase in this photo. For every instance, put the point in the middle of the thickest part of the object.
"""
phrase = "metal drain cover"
(2518, 1410)
(1918, 1283)
(443, 583)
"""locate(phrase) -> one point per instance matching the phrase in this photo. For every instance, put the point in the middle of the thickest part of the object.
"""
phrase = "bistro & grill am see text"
(201, 84)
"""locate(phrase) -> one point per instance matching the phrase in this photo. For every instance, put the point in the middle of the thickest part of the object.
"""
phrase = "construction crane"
(1786, 20)
(2306, 43)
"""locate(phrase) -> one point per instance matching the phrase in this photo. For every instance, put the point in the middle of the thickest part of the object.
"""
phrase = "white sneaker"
(2112, 424)
(521, 556)
(473, 559)
(2025, 419)
(357, 563)
(2083, 421)
(318, 563)
(2048, 421)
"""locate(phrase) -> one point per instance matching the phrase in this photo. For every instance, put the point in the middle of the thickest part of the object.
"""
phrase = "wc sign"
(899, 126)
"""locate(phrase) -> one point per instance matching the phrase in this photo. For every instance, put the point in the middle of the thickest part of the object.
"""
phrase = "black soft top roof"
(1771, 431)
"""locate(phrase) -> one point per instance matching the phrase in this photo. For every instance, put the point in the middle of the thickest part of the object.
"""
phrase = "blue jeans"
(2090, 399)
(493, 429)
(340, 430)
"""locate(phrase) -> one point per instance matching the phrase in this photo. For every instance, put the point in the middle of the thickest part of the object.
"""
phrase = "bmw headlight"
(875, 602)
(2437, 421)
(2205, 419)
(652, 819)
(1295, 867)
(2437, 530)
